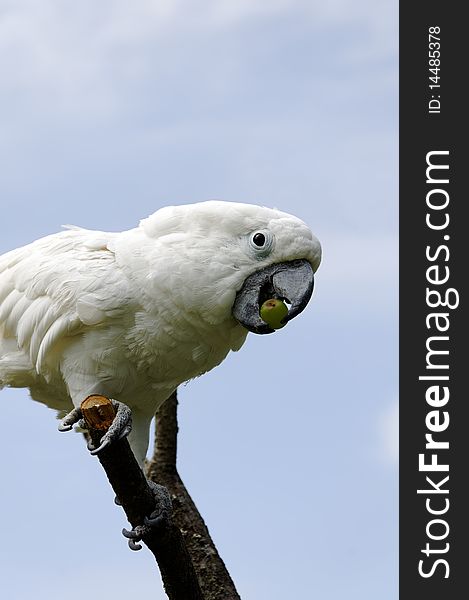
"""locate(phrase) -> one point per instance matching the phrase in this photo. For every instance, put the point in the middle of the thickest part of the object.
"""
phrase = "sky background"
(110, 110)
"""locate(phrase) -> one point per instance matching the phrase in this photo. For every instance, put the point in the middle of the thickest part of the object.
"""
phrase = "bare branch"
(214, 579)
(138, 501)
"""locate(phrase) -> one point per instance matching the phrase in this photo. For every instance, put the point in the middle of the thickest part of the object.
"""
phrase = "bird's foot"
(74, 416)
(156, 522)
(120, 428)
(121, 425)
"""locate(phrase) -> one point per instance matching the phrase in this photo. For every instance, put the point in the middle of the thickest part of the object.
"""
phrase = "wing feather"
(38, 334)
(9, 304)
(55, 288)
(29, 321)
(60, 328)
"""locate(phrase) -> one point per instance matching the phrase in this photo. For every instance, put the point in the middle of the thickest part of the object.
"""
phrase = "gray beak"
(291, 281)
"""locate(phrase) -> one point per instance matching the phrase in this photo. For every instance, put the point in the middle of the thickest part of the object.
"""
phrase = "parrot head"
(235, 256)
(289, 255)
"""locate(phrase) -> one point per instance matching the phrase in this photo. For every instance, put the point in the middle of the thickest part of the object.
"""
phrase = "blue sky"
(109, 111)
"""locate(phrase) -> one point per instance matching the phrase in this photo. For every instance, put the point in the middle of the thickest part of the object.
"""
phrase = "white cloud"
(80, 47)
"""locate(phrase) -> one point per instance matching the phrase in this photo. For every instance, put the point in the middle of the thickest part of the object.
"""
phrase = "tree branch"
(138, 501)
(214, 579)
(190, 565)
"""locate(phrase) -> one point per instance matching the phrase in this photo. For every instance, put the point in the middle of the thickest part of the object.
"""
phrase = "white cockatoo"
(133, 315)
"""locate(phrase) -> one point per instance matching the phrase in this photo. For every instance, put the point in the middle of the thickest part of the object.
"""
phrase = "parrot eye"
(259, 239)
(261, 242)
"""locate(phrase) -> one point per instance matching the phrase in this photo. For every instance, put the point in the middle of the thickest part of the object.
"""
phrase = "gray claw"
(134, 536)
(125, 432)
(62, 427)
(130, 535)
(70, 419)
(133, 546)
(154, 522)
(105, 441)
